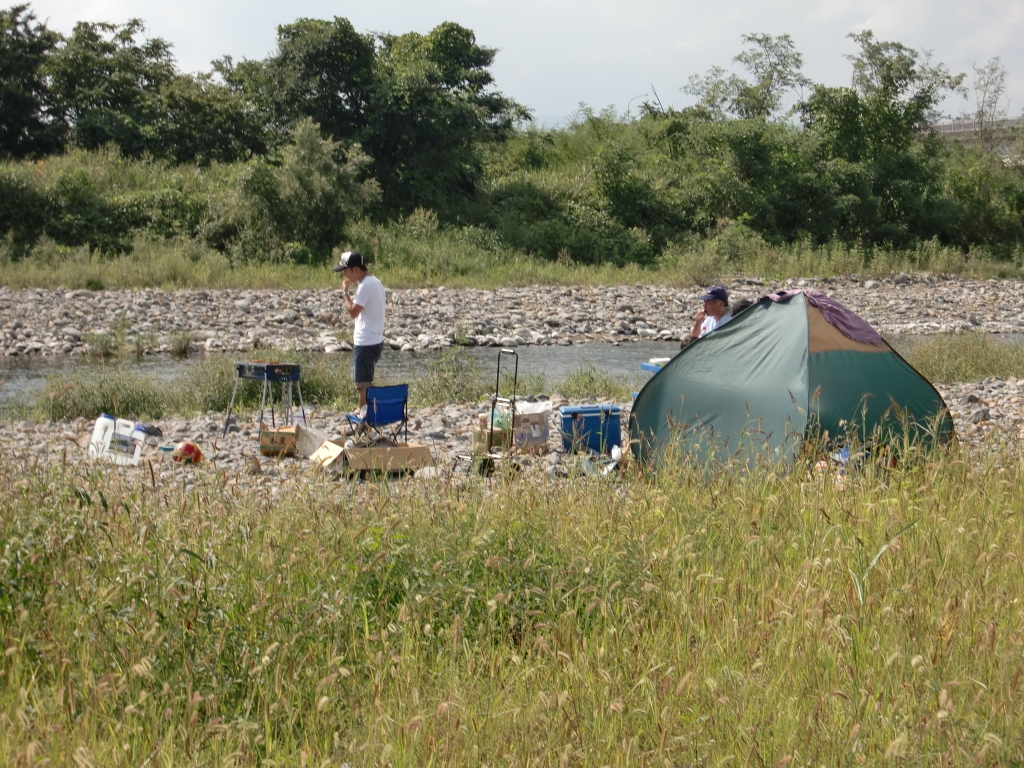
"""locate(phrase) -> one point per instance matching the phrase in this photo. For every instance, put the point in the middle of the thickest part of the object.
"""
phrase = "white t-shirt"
(369, 326)
(710, 324)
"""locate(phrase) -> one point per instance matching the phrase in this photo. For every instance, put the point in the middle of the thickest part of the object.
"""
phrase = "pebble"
(38, 322)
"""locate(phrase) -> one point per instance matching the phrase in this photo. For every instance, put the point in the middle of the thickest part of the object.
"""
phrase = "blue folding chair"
(387, 414)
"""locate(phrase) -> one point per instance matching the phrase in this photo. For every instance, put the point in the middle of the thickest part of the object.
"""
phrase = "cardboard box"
(309, 441)
(389, 458)
(330, 455)
(484, 440)
(530, 432)
(278, 442)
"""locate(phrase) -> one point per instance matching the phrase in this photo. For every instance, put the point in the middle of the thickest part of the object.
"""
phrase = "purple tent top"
(849, 324)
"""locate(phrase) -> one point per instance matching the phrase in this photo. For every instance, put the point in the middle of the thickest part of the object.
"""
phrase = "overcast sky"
(554, 54)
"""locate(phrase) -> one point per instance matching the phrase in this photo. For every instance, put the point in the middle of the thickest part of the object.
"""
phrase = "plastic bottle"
(500, 419)
(124, 448)
(101, 435)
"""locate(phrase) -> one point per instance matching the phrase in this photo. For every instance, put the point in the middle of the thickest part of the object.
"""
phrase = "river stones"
(985, 413)
(62, 322)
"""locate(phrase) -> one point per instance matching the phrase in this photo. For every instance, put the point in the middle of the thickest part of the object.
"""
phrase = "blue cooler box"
(598, 427)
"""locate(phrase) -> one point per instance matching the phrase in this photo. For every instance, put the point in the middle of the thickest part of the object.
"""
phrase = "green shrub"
(966, 357)
(207, 386)
(587, 381)
(180, 343)
(452, 377)
(102, 344)
(23, 210)
(94, 390)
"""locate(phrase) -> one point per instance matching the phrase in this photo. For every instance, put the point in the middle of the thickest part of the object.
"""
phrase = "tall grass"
(452, 377)
(103, 389)
(967, 357)
(587, 381)
(671, 620)
(417, 254)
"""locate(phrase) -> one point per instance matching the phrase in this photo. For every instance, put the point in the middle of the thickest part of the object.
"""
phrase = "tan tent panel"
(822, 336)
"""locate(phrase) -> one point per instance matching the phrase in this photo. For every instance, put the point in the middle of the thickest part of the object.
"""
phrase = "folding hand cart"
(499, 400)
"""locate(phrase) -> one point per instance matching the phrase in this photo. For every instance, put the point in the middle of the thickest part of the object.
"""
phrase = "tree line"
(103, 138)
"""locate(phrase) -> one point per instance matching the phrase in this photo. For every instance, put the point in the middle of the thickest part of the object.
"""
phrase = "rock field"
(985, 413)
(44, 322)
(37, 322)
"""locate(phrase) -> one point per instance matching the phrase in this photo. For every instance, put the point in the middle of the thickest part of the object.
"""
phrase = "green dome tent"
(790, 365)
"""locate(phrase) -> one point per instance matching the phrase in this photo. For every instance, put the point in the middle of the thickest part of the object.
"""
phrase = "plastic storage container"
(124, 448)
(101, 434)
(596, 427)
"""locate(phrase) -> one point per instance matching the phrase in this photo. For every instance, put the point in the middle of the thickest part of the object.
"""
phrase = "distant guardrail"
(978, 126)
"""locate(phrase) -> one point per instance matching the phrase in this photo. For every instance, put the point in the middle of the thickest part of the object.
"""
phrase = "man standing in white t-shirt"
(366, 308)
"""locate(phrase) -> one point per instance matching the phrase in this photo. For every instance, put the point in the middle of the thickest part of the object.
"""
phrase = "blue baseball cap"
(716, 292)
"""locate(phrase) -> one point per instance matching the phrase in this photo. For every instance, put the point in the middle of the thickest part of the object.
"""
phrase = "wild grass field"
(673, 619)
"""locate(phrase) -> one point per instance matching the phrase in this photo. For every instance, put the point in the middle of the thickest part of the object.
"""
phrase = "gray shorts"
(364, 361)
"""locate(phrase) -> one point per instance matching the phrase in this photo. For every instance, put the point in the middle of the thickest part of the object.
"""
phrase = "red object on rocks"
(187, 452)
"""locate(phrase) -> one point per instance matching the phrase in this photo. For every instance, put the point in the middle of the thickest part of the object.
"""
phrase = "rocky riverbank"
(985, 413)
(43, 322)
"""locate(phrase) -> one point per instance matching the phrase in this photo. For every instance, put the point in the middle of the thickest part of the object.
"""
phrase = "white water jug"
(124, 449)
(101, 435)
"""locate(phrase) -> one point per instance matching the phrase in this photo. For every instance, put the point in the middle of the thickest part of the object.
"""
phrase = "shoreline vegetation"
(259, 173)
(452, 377)
(414, 260)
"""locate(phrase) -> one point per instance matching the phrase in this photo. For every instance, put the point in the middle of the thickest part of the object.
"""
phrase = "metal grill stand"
(285, 374)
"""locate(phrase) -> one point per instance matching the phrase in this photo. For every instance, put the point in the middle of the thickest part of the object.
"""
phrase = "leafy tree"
(432, 109)
(322, 70)
(895, 73)
(27, 124)
(106, 84)
(420, 105)
(306, 199)
(990, 102)
(199, 121)
(773, 64)
(877, 131)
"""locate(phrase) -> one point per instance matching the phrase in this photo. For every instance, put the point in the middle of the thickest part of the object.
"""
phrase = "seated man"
(714, 314)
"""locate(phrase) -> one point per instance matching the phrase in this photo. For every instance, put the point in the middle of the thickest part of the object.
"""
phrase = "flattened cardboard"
(309, 440)
(330, 455)
(389, 458)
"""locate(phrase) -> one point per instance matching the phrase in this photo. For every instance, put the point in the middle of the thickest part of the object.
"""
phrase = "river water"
(21, 376)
